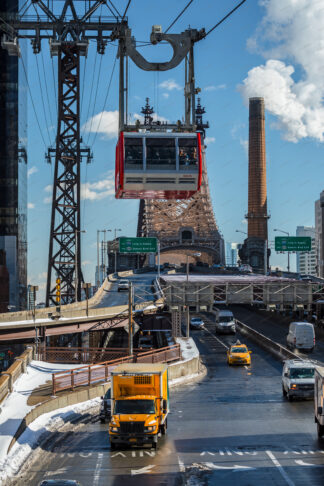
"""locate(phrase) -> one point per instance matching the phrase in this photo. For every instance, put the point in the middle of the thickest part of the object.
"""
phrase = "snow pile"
(188, 348)
(37, 431)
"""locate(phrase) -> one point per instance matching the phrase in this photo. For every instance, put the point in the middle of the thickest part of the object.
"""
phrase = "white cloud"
(95, 191)
(87, 262)
(209, 140)
(245, 144)
(165, 95)
(215, 88)
(48, 189)
(32, 171)
(30, 205)
(105, 122)
(170, 85)
(295, 32)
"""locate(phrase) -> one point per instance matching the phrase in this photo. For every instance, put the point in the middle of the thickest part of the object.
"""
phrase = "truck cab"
(140, 404)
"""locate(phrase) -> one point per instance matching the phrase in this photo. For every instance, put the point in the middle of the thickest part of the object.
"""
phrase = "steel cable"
(178, 17)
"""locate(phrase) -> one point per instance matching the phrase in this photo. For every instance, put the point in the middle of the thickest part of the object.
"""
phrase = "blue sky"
(264, 49)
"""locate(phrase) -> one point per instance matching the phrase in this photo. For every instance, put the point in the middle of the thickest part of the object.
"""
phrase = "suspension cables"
(129, 1)
(178, 17)
(224, 18)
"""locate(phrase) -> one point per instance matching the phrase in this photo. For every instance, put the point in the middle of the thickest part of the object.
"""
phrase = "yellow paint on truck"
(140, 403)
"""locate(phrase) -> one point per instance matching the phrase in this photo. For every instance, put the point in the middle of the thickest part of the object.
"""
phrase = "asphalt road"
(231, 428)
(142, 291)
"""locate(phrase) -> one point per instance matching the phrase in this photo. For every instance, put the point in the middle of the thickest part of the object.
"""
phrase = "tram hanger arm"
(181, 44)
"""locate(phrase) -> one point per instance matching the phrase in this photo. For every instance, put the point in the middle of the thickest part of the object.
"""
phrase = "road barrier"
(266, 343)
(88, 375)
(81, 355)
(8, 377)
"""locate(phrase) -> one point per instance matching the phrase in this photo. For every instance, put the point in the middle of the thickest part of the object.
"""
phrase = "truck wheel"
(163, 429)
(102, 421)
(320, 430)
(284, 392)
(290, 398)
(112, 446)
(154, 445)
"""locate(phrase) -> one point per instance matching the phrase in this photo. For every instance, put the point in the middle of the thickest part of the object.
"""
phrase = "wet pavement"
(231, 428)
(142, 284)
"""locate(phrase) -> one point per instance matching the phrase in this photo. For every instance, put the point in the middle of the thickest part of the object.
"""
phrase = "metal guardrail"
(87, 375)
(81, 355)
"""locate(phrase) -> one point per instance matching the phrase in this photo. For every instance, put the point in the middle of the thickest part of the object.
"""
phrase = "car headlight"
(293, 386)
(114, 429)
(150, 428)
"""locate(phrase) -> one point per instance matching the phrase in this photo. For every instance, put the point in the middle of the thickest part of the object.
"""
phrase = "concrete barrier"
(264, 342)
(176, 370)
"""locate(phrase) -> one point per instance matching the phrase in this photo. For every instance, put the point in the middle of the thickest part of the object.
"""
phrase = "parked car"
(123, 285)
(245, 268)
(225, 322)
(196, 323)
(238, 354)
(298, 379)
(301, 336)
(105, 407)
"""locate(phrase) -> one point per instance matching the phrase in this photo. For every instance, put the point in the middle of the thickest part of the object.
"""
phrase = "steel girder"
(64, 252)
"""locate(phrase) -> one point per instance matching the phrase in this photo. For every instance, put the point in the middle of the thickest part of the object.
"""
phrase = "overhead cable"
(129, 1)
(224, 18)
(178, 17)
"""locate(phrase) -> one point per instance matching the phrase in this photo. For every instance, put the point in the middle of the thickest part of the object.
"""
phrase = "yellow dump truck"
(319, 400)
(140, 404)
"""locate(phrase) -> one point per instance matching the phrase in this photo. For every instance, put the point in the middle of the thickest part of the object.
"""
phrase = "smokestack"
(257, 205)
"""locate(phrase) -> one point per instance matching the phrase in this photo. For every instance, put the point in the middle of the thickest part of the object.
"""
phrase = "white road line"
(143, 470)
(181, 465)
(226, 347)
(97, 470)
(280, 468)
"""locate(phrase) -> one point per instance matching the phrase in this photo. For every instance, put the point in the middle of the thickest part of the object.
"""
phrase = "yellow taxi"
(238, 354)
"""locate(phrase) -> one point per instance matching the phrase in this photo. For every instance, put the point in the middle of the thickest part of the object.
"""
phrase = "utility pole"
(130, 319)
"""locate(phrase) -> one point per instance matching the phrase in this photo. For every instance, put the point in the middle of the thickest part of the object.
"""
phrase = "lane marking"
(280, 468)
(300, 462)
(97, 469)
(234, 468)
(216, 338)
(58, 471)
(181, 465)
(143, 470)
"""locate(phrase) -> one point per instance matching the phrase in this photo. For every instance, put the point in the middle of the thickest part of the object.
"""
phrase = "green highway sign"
(293, 243)
(137, 245)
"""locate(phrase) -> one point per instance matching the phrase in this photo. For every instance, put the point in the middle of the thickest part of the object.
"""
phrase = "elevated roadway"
(232, 428)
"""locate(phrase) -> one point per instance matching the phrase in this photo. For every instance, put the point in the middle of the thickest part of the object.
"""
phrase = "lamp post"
(98, 257)
(86, 287)
(33, 289)
(115, 233)
(288, 253)
(188, 312)
(76, 280)
(240, 231)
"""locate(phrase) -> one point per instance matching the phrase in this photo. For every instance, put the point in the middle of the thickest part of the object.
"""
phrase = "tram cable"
(178, 17)
(224, 18)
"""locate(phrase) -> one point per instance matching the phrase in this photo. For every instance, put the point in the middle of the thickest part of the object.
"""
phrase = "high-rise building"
(13, 164)
(319, 217)
(306, 261)
(232, 255)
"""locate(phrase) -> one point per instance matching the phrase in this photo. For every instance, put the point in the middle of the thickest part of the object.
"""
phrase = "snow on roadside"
(36, 432)
(188, 348)
(14, 408)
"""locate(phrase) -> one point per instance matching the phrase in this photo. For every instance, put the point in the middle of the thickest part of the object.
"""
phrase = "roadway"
(233, 427)
(142, 284)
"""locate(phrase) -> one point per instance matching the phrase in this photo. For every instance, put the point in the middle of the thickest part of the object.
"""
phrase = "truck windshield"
(225, 318)
(302, 373)
(134, 406)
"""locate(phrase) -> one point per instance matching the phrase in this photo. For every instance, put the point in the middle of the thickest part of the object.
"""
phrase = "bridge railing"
(81, 355)
(88, 375)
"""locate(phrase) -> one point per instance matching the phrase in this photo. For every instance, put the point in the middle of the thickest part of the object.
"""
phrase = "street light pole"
(76, 280)
(86, 287)
(286, 233)
(115, 230)
(187, 292)
(130, 319)
(98, 263)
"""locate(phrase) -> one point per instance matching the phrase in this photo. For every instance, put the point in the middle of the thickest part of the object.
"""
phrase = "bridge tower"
(183, 225)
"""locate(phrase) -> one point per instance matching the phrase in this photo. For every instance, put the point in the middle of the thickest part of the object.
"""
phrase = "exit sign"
(137, 245)
(293, 243)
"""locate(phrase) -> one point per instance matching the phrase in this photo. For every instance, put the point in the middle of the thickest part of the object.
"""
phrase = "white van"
(225, 322)
(301, 336)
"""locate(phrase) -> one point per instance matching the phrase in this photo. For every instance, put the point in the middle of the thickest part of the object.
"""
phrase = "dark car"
(59, 482)
(105, 407)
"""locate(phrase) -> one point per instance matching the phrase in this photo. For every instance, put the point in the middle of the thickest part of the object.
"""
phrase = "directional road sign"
(137, 245)
(293, 243)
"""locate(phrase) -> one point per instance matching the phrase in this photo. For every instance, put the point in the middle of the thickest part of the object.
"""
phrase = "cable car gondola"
(158, 165)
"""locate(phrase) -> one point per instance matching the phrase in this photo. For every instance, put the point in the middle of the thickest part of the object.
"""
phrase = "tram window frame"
(167, 143)
(134, 142)
(184, 142)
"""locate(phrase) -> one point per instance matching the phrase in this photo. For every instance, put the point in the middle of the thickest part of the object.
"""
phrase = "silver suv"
(123, 285)
(298, 379)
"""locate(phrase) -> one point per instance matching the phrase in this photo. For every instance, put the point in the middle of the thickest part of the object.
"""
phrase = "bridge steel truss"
(169, 219)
